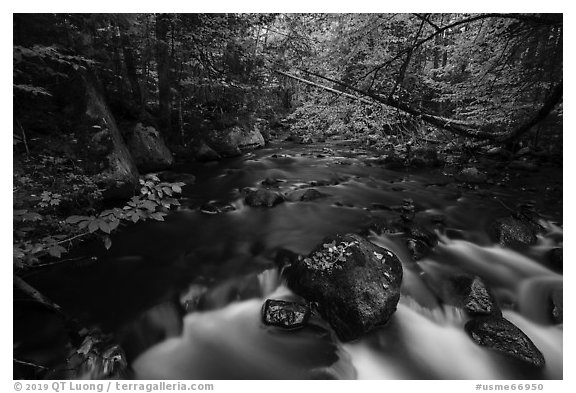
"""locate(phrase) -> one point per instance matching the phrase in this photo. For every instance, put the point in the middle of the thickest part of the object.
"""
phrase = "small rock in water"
(480, 300)
(309, 194)
(215, 207)
(355, 283)
(284, 314)
(271, 182)
(471, 294)
(263, 198)
(509, 231)
(503, 336)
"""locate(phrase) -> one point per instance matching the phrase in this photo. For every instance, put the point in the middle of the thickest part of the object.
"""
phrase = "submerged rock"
(503, 336)
(284, 314)
(148, 148)
(509, 231)
(308, 194)
(355, 283)
(263, 198)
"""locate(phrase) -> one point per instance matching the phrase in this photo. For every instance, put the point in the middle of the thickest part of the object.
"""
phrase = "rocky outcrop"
(232, 141)
(262, 198)
(148, 149)
(503, 336)
(355, 283)
(284, 314)
(100, 145)
(509, 231)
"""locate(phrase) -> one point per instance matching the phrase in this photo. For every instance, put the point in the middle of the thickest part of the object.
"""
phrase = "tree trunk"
(458, 127)
(127, 50)
(163, 64)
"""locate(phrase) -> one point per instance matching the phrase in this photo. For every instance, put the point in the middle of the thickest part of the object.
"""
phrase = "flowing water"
(184, 296)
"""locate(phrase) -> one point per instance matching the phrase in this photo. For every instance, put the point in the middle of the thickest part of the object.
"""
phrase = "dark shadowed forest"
(288, 196)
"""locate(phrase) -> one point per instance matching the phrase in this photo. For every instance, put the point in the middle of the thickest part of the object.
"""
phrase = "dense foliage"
(387, 80)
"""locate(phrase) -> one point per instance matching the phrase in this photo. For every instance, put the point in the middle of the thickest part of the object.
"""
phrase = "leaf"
(113, 224)
(167, 190)
(176, 189)
(107, 242)
(157, 216)
(56, 251)
(37, 248)
(76, 219)
(93, 226)
(104, 227)
(150, 205)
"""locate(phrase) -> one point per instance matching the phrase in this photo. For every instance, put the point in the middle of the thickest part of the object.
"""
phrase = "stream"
(183, 297)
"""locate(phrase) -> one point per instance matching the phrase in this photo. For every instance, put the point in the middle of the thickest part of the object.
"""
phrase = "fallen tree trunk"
(457, 127)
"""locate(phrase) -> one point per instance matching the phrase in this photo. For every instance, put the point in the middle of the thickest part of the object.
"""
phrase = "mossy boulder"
(355, 283)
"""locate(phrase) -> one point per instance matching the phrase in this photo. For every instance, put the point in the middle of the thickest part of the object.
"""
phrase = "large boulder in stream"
(148, 148)
(100, 147)
(503, 336)
(232, 141)
(355, 283)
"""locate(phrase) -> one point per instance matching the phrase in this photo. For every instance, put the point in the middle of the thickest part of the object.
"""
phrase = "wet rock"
(148, 149)
(232, 141)
(284, 314)
(556, 259)
(471, 175)
(556, 299)
(216, 207)
(509, 231)
(263, 198)
(471, 294)
(503, 336)
(269, 182)
(305, 195)
(355, 283)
